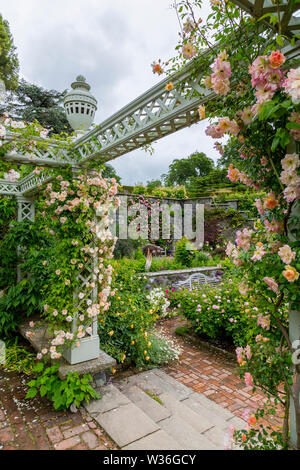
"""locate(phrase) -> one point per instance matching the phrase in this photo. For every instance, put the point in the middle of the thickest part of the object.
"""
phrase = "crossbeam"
(50, 154)
(290, 24)
(148, 118)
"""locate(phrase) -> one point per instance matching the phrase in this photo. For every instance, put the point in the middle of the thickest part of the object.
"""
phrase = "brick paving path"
(33, 424)
(213, 374)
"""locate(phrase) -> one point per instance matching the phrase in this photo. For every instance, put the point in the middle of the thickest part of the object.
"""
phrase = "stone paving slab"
(185, 434)
(155, 384)
(153, 409)
(179, 410)
(207, 412)
(183, 415)
(156, 441)
(126, 424)
(209, 405)
(111, 398)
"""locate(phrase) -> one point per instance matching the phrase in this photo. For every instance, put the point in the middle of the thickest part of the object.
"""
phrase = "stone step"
(186, 435)
(150, 405)
(152, 411)
(157, 384)
(159, 440)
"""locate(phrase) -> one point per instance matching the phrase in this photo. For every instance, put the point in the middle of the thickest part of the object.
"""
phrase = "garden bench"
(197, 279)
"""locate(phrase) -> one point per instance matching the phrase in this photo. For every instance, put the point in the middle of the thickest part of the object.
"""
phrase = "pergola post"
(294, 333)
(26, 211)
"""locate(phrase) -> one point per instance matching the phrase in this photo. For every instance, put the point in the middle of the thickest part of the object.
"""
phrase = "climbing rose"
(248, 379)
(201, 111)
(290, 162)
(276, 59)
(156, 68)
(270, 202)
(233, 174)
(12, 176)
(286, 254)
(169, 86)
(188, 50)
(247, 115)
(292, 85)
(290, 273)
(272, 284)
(291, 193)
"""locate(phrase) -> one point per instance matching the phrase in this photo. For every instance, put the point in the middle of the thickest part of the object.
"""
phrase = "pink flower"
(188, 50)
(259, 252)
(259, 206)
(233, 174)
(290, 162)
(263, 321)
(292, 85)
(291, 193)
(274, 226)
(286, 254)
(247, 115)
(248, 352)
(290, 178)
(272, 284)
(248, 379)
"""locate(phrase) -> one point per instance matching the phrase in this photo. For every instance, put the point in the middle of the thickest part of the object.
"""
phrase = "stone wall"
(167, 278)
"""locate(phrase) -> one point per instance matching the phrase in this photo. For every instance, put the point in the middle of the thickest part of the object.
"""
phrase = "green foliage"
(127, 329)
(18, 358)
(183, 253)
(211, 184)
(183, 170)
(9, 64)
(261, 436)
(153, 184)
(109, 172)
(176, 192)
(217, 312)
(74, 390)
(24, 298)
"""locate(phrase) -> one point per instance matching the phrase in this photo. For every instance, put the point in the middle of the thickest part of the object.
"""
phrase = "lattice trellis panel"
(51, 155)
(9, 188)
(26, 209)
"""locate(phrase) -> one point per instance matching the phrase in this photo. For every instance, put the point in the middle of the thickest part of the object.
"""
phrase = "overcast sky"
(112, 44)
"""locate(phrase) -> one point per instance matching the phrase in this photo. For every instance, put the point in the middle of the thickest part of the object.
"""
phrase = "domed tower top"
(80, 105)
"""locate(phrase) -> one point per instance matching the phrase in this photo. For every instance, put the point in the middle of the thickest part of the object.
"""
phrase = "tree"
(9, 64)
(31, 102)
(110, 172)
(181, 171)
(152, 184)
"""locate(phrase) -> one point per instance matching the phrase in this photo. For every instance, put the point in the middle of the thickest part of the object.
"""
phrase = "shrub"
(158, 302)
(183, 254)
(219, 311)
(127, 329)
(74, 390)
